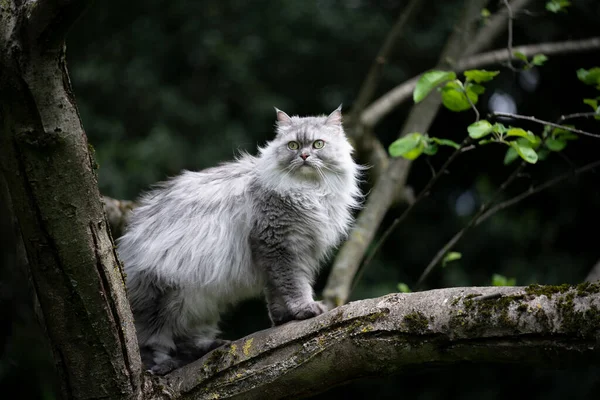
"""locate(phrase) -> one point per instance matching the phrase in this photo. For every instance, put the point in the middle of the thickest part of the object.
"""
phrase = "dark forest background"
(169, 85)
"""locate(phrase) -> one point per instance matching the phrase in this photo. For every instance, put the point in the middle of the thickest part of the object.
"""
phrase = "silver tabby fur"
(203, 241)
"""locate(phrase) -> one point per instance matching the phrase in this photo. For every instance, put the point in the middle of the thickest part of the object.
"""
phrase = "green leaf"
(403, 288)
(430, 149)
(405, 144)
(485, 13)
(455, 99)
(445, 142)
(563, 134)
(555, 144)
(539, 59)
(480, 75)
(477, 89)
(500, 280)
(520, 56)
(428, 81)
(525, 152)
(414, 153)
(589, 77)
(499, 128)
(479, 129)
(557, 5)
(486, 141)
(510, 156)
(592, 103)
(451, 256)
(528, 135)
(543, 154)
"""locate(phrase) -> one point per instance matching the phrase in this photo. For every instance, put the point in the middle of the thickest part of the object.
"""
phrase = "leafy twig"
(539, 121)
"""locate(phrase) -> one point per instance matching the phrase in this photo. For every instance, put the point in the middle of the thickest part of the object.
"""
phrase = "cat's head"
(310, 148)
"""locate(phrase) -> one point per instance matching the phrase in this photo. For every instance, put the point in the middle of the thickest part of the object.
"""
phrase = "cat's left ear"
(335, 118)
(282, 117)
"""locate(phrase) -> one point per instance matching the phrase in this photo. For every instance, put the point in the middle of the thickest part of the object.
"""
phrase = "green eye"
(293, 145)
(318, 144)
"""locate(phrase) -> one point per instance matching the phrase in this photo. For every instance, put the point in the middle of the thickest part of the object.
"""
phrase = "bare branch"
(375, 337)
(452, 242)
(509, 45)
(369, 85)
(535, 189)
(539, 121)
(386, 103)
(493, 28)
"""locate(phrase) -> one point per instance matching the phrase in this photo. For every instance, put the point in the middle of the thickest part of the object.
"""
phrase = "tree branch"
(419, 119)
(535, 189)
(386, 103)
(472, 222)
(537, 325)
(542, 122)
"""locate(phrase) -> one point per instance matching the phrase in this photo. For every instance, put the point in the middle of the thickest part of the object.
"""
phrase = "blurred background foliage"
(165, 86)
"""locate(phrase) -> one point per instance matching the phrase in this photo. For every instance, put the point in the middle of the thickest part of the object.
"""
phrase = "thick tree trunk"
(50, 174)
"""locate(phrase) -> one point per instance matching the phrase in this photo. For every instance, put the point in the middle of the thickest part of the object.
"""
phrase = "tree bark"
(537, 325)
(51, 178)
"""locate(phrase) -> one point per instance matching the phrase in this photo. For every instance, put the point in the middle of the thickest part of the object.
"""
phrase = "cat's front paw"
(309, 310)
(164, 367)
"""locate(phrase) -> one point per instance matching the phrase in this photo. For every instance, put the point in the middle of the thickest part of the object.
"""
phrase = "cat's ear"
(282, 117)
(335, 118)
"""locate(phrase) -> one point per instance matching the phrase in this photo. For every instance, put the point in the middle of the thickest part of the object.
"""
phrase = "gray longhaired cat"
(205, 240)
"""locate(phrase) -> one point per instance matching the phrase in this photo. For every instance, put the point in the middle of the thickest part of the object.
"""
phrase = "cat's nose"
(304, 156)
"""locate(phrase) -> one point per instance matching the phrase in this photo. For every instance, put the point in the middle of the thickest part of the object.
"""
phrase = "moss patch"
(416, 322)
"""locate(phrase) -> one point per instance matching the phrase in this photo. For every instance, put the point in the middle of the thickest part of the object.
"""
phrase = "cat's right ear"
(282, 117)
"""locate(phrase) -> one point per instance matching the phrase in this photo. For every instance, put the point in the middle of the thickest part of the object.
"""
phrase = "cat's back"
(186, 228)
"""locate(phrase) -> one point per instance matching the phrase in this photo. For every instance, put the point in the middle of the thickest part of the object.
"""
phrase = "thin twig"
(535, 189)
(539, 121)
(472, 106)
(577, 115)
(510, 35)
(440, 254)
(424, 192)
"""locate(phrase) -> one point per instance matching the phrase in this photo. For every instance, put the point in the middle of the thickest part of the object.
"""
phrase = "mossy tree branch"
(538, 325)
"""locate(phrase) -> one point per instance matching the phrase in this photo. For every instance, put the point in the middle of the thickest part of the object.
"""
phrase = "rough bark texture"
(538, 325)
(50, 174)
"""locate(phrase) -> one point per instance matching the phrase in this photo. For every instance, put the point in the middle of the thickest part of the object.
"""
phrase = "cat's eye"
(318, 144)
(293, 145)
